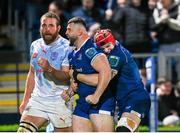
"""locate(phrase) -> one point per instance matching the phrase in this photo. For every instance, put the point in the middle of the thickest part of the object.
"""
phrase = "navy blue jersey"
(128, 77)
(127, 84)
(81, 61)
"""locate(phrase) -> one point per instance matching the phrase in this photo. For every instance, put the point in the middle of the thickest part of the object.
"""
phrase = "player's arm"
(101, 65)
(29, 87)
(91, 79)
(61, 75)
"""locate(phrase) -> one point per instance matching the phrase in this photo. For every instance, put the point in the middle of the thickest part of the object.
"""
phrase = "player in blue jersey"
(42, 100)
(132, 98)
(88, 115)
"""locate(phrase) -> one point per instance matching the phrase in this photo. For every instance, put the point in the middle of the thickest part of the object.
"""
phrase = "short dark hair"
(59, 4)
(51, 15)
(78, 20)
(163, 80)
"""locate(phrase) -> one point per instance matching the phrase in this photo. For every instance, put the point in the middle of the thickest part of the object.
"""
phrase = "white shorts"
(55, 112)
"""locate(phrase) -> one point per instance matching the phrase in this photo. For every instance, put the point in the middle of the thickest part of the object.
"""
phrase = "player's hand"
(164, 16)
(92, 99)
(108, 14)
(65, 95)
(44, 64)
(22, 107)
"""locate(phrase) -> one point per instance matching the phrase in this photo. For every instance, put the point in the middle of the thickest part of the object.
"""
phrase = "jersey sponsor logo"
(34, 55)
(54, 55)
(79, 70)
(128, 107)
(113, 61)
(90, 52)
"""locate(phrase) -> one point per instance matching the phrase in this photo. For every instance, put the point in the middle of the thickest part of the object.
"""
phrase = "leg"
(129, 122)
(32, 117)
(102, 122)
(61, 118)
(66, 129)
(81, 124)
(30, 123)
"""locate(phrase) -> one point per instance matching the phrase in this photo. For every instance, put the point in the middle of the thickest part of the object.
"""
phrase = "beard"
(49, 37)
(72, 40)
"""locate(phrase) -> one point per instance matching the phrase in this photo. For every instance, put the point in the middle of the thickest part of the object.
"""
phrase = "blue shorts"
(84, 109)
(138, 101)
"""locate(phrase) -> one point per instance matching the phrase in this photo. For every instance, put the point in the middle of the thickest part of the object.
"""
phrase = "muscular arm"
(91, 79)
(60, 75)
(29, 87)
(101, 65)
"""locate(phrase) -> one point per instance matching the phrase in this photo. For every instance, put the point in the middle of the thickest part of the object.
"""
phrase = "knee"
(27, 127)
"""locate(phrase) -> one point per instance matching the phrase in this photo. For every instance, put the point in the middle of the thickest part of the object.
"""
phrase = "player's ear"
(80, 32)
(59, 28)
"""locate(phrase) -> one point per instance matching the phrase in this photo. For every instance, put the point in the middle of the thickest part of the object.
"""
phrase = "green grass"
(14, 128)
(161, 128)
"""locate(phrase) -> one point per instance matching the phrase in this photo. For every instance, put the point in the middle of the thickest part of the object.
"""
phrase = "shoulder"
(36, 43)
(62, 42)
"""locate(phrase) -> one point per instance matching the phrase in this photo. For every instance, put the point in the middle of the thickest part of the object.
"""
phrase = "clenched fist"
(92, 99)
(44, 64)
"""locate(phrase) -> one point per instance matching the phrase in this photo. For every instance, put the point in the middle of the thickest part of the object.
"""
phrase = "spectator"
(167, 19)
(177, 94)
(93, 16)
(167, 109)
(126, 18)
(131, 24)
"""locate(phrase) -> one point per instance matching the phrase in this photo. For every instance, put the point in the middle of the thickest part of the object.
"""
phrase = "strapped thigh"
(27, 127)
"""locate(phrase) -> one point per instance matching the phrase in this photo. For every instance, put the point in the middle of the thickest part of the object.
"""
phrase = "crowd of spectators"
(142, 26)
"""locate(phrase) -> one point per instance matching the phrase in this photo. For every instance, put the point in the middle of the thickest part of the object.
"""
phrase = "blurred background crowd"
(142, 26)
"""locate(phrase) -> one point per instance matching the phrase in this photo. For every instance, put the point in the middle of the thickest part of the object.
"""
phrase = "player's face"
(107, 48)
(49, 29)
(71, 33)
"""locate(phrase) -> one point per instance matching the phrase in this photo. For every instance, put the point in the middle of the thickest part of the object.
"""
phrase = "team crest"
(54, 55)
(113, 61)
(90, 52)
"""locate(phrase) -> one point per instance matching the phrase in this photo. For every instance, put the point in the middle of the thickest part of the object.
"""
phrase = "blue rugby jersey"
(81, 61)
(127, 85)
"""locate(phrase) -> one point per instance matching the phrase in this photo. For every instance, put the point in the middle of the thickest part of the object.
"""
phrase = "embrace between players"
(103, 74)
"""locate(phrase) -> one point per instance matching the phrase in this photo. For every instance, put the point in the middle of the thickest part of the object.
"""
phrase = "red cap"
(103, 37)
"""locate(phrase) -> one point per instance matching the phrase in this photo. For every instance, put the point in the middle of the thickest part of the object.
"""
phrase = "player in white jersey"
(45, 82)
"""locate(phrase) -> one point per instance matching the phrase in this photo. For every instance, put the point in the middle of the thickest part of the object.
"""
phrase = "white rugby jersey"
(57, 54)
